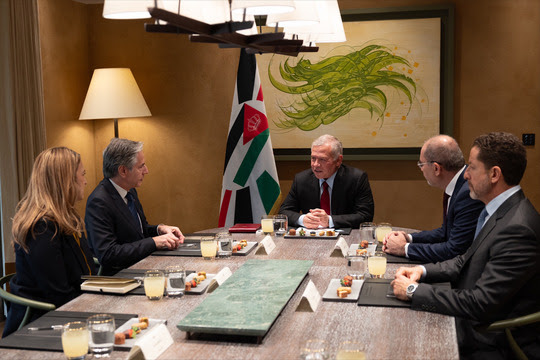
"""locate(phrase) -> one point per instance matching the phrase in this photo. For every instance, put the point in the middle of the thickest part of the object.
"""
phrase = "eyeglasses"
(421, 164)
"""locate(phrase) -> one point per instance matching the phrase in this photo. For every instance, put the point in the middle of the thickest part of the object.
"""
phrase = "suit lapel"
(121, 206)
(492, 221)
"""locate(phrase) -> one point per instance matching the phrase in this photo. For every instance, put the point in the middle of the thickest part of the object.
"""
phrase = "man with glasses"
(443, 166)
(330, 194)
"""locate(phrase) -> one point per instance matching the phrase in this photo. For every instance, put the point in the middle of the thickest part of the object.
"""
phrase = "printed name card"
(310, 298)
(153, 344)
(219, 279)
(341, 249)
(267, 246)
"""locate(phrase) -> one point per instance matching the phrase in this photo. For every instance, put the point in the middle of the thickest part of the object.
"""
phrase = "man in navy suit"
(118, 232)
(349, 200)
(443, 166)
(497, 278)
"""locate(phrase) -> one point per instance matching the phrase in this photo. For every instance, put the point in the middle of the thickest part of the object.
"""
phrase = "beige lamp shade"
(127, 9)
(262, 7)
(329, 30)
(305, 14)
(113, 93)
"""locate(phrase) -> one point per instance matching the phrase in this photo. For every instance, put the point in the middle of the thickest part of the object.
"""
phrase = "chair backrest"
(30, 304)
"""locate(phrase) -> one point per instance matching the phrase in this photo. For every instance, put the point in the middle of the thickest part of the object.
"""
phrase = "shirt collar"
(494, 204)
(452, 184)
(120, 190)
(329, 181)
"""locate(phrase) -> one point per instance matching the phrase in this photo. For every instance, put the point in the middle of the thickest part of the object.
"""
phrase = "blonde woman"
(51, 249)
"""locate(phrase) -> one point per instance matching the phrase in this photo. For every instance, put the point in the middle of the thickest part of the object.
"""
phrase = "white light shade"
(112, 94)
(329, 30)
(262, 7)
(305, 14)
(128, 9)
(208, 11)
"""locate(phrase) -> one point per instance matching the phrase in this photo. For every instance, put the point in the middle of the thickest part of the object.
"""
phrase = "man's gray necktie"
(480, 222)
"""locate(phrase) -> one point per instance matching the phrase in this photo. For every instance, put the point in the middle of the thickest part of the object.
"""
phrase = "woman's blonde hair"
(51, 195)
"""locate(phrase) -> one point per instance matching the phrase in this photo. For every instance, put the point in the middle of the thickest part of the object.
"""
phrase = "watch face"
(410, 288)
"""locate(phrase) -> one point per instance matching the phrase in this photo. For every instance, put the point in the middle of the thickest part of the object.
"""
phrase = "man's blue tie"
(132, 209)
(480, 222)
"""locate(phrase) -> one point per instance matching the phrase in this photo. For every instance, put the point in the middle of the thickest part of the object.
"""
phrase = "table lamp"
(113, 93)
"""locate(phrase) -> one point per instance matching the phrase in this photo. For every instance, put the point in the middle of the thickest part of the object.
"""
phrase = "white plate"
(127, 325)
(201, 288)
(245, 250)
(331, 291)
(371, 248)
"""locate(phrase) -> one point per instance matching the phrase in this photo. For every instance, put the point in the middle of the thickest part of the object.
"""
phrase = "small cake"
(188, 286)
(322, 233)
(330, 233)
(343, 291)
(361, 251)
(144, 319)
(119, 339)
(292, 232)
(312, 233)
(202, 273)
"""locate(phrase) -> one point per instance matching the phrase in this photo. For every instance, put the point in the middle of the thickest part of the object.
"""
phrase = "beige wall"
(189, 89)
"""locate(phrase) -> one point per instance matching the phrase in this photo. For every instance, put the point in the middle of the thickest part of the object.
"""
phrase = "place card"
(219, 279)
(152, 345)
(310, 298)
(341, 248)
(267, 246)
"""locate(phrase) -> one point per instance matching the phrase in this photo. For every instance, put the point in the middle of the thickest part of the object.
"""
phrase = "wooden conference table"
(387, 332)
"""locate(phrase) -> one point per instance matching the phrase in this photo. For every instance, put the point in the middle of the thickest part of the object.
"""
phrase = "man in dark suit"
(329, 194)
(443, 166)
(497, 278)
(118, 232)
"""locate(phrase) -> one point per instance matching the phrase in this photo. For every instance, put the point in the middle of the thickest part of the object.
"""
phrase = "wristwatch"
(410, 290)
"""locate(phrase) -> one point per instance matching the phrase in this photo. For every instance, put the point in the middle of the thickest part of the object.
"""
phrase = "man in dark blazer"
(498, 277)
(118, 232)
(350, 200)
(443, 166)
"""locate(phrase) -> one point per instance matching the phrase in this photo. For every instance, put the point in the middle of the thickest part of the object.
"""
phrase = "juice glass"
(267, 224)
(377, 264)
(209, 247)
(154, 284)
(382, 230)
(75, 340)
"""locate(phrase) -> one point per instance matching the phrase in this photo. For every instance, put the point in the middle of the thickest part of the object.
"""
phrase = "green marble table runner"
(249, 302)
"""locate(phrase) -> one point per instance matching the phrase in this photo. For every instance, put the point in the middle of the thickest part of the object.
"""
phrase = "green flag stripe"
(251, 157)
(268, 190)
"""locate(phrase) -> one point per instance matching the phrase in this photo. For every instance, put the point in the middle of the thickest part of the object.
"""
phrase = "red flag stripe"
(224, 208)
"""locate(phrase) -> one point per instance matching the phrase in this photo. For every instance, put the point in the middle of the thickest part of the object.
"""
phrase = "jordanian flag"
(250, 182)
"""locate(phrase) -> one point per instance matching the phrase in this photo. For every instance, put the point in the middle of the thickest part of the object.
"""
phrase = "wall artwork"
(379, 93)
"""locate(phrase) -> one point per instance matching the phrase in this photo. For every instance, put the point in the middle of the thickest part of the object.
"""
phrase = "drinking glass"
(382, 230)
(351, 350)
(356, 266)
(75, 340)
(154, 284)
(267, 224)
(315, 349)
(377, 264)
(209, 247)
(367, 231)
(225, 241)
(101, 328)
(280, 224)
(176, 280)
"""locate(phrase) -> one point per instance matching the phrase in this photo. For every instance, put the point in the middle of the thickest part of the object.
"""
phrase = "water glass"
(154, 284)
(209, 247)
(382, 230)
(101, 328)
(367, 231)
(356, 266)
(377, 264)
(75, 340)
(351, 350)
(267, 224)
(314, 349)
(280, 224)
(176, 281)
(225, 243)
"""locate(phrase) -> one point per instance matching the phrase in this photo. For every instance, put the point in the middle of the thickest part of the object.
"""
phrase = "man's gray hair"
(335, 144)
(120, 152)
(444, 150)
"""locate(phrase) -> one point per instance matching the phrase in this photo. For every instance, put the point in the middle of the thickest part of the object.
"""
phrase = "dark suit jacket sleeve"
(511, 261)
(454, 237)
(353, 200)
(112, 238)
